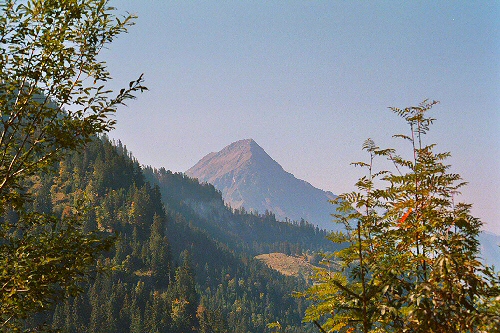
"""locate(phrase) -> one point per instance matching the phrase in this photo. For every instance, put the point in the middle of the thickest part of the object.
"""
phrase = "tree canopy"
(411, 263)
(53, 100)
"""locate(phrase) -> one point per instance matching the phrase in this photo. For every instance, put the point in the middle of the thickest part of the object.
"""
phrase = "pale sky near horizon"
(309, 81)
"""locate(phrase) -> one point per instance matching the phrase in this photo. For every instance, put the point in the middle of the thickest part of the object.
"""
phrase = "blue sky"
(309, 81)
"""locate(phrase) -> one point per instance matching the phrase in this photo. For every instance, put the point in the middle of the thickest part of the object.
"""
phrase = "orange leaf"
(405, 216)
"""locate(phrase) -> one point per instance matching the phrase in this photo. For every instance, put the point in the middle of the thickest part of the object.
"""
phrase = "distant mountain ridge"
(490, 251)
(248, 177)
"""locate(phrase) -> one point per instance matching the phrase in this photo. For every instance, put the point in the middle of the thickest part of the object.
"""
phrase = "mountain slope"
(181, 262)
(249, 233)
(248, 177)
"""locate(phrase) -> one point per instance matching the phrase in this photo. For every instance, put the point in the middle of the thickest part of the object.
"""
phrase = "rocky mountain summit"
(248, 177)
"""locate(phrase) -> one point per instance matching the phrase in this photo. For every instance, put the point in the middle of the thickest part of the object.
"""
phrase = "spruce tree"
(183, 297)
(160, 253)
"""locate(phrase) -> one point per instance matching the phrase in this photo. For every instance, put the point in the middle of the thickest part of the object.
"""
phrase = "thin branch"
(319, 326)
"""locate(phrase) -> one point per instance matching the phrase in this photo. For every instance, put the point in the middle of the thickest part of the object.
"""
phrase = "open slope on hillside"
(287, 265)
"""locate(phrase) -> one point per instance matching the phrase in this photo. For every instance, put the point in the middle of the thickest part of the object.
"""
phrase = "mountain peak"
(247, 150)
(239, 155)
(248, 177)
(245, 145)
(243, 142)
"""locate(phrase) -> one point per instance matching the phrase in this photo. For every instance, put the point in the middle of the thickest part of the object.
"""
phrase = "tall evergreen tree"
(183, 297)
(160, 253)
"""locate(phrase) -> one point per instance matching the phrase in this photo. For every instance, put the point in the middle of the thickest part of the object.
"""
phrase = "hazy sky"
(309, 81)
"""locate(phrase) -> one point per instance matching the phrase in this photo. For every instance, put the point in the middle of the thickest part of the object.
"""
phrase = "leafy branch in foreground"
(411, 258)
(53, 101)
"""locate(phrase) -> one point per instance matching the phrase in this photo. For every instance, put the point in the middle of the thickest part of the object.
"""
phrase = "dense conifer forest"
(182, 261)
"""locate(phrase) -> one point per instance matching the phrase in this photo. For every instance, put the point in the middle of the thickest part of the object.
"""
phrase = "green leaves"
(53, 101)
(52, 94)
(43, 260)
(410, 261)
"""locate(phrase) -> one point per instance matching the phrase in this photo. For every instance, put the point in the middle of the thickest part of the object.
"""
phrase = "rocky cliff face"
(248, 177)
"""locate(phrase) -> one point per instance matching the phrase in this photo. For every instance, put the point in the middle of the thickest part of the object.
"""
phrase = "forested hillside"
(182, 264)
(245, 231)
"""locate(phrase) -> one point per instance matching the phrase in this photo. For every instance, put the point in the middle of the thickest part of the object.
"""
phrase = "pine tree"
(183, 297)
(136, 323)
(160, 253)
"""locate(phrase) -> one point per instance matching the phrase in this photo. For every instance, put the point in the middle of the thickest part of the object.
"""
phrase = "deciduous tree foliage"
(411, 262)
(53, 100)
